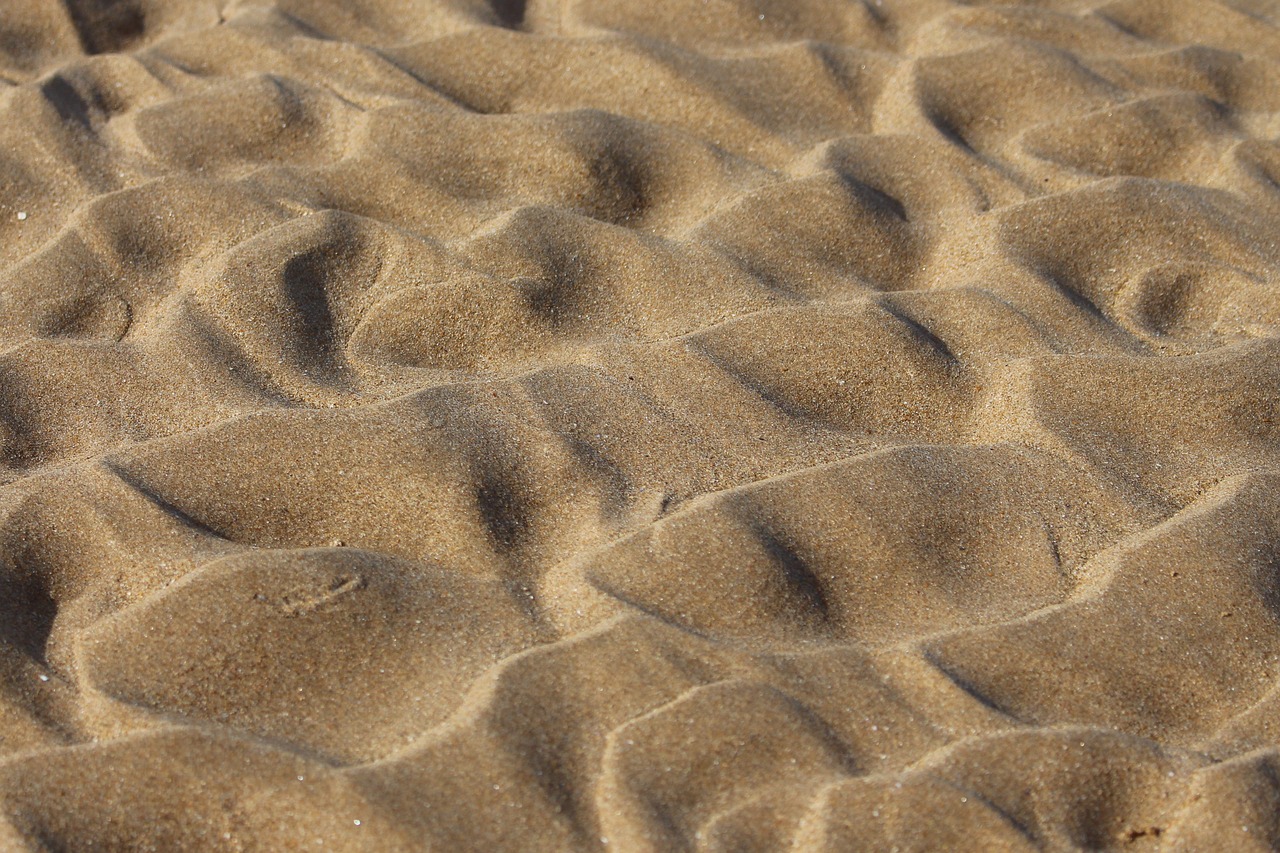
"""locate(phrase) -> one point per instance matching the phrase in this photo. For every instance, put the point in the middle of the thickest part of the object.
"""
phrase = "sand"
(669, 425)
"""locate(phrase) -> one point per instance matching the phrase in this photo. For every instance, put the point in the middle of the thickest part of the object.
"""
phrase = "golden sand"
(712, 425)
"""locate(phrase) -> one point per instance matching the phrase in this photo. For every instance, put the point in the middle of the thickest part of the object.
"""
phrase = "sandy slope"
(680, 424)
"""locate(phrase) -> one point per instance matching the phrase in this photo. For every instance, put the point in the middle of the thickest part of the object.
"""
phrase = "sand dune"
(678, 425)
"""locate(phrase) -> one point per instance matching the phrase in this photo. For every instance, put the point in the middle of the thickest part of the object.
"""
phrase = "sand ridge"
(691, 424)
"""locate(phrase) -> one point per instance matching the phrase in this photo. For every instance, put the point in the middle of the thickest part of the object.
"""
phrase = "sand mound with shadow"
(673, 425)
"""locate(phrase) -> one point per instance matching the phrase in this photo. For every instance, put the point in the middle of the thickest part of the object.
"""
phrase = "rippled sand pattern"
(670, 425)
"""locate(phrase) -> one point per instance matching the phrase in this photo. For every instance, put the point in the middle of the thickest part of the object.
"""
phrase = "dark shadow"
(501, 510)
(966, 686)
(621, 181)
(763, 389)
(556, 299)
(616, 485)
(873, 198)
(546, 299)
(27, 612)
(25, 443)
(305, 278)
(66, 100)
(922, 334)
(1266, 578)
(801, 583)
(107, 26)
(161, 503)
(1081, 301)
(223, 349)
(547, 757)
(510, 13)
(950, 131)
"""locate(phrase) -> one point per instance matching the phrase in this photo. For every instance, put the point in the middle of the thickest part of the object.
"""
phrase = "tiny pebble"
(22, 215)
(44, 678)
(357, 823)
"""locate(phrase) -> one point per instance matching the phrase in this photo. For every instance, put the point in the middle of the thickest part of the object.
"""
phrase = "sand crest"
(672, 425)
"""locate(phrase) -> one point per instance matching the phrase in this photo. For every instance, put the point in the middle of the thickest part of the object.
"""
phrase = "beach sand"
(719, 425)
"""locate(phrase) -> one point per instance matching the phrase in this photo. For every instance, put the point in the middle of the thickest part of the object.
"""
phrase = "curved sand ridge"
(690, 424)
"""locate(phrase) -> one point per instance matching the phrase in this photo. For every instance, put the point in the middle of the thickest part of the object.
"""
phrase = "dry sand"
(657, 425)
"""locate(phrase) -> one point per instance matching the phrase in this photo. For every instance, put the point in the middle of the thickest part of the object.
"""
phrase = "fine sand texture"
(640, 425)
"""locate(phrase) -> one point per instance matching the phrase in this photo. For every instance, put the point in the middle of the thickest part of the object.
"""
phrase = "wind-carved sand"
(678, 425)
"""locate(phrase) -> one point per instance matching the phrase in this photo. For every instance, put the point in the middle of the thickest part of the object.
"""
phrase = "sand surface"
(664, 425)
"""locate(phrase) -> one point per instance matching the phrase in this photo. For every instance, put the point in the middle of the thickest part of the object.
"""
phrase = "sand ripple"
(690, 424)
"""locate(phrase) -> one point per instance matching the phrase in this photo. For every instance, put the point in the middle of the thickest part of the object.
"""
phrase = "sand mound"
(684, 424)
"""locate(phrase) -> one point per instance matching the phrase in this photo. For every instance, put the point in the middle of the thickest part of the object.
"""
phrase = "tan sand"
(658, 425)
